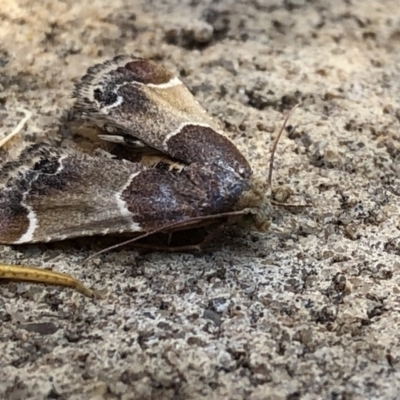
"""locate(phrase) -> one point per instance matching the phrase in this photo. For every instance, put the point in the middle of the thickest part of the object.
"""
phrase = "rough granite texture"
(308, 310)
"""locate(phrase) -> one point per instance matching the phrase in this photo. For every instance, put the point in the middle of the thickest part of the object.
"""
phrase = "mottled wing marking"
(141, 98)
(63, 195)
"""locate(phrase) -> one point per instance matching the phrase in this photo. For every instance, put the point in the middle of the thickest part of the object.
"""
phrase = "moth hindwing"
(52, 194)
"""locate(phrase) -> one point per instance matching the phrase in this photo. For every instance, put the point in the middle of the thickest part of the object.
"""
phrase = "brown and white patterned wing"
(144, 101)
(50, 194)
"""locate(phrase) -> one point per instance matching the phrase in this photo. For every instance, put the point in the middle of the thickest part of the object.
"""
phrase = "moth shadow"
(201, 240)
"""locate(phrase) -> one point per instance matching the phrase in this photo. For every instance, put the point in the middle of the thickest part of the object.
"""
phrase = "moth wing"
(140, 100)
(51, 194)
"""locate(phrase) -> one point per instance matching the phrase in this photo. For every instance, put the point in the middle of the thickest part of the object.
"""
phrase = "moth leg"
(45, 277)
(18, 128)
(136, 143)
(191, 247)
(192, 222)
(170, 249)
(170, 238)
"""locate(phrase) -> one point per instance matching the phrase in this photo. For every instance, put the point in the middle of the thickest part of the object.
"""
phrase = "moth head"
(256, 205)
(257, 201)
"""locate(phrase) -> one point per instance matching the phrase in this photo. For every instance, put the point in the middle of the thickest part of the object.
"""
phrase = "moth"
(182, 171)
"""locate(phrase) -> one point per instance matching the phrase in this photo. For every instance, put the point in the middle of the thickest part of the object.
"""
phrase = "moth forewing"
(145, 101)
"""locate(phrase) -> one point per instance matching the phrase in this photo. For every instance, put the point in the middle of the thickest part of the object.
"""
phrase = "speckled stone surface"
(308, 310)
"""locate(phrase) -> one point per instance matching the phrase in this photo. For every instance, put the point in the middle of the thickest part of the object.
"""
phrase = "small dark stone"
(208, 314)
(44, 328)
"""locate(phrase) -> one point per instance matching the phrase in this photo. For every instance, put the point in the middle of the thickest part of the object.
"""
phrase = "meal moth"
(196, 174)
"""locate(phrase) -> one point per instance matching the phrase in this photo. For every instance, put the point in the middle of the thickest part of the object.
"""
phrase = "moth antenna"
(166, 227)
(18, 128)
(275, 145)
